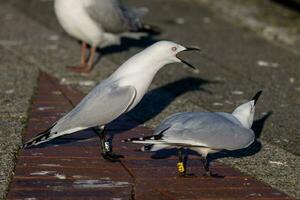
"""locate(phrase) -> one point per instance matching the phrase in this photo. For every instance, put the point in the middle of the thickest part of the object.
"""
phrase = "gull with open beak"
(116, 95)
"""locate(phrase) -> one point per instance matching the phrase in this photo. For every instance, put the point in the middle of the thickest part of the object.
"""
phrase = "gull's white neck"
(245, 114)
(141, 64)
(138, 72)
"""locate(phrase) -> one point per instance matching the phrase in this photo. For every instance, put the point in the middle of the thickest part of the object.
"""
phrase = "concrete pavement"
(235, 64)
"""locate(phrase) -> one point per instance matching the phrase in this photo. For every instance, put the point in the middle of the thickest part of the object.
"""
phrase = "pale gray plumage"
(215, 130)
(110, 101)
(115, 18)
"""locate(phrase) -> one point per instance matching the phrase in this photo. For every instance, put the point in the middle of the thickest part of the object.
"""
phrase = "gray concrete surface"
(275, 20)
(235, 64)
(17, 83)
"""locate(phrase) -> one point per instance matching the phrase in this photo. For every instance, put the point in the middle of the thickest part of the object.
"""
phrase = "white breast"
(140, 82)
(76, 21)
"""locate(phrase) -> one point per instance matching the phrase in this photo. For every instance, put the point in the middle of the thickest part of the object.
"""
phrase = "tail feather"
(152, 143)
(140, 139)
(145, 138)
(133, 16)
(147, 28)
(40, 138)
(154, 147)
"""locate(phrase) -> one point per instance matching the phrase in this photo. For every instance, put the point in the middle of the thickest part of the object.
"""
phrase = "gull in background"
(203, 132)
(114, 96)
(99, 23)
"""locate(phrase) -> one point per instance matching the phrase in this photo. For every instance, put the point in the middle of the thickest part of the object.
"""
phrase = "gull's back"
(214, 130)
(114, 17)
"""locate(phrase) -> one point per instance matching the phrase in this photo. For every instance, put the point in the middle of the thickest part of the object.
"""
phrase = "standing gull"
(203, 132)
(99, 23)
(114, 96)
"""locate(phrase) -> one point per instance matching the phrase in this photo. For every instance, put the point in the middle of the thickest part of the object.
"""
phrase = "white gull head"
(154, 58)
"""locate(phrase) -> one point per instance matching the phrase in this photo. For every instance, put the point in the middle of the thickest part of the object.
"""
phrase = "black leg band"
(105, 146)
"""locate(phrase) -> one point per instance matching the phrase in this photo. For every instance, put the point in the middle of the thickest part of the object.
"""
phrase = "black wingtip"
(27, 144)
(256, 96)
(40, 138)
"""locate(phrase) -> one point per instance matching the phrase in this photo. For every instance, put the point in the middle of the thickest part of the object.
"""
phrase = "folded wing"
(101, 106)
(206, 129)
(113, 17)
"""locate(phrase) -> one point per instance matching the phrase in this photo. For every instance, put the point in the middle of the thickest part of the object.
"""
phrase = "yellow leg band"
(180, 167)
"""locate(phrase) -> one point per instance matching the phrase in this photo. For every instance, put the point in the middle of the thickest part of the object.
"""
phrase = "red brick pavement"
(71, 167)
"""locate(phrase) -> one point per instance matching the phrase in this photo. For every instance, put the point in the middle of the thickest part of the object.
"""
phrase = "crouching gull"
(116, 95)
(203, 132)
(99, 23)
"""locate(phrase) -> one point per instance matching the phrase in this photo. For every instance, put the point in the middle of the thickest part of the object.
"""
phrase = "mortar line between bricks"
(133, 186)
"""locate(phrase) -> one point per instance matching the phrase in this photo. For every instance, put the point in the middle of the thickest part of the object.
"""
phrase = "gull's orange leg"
(83, 63)
(89, 66)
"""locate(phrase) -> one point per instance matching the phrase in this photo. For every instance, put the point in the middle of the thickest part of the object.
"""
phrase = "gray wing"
(168, 122)
(113, 17)
(208, 129)
(102, 105)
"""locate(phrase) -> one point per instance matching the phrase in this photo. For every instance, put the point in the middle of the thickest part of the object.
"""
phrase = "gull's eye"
(174, 49)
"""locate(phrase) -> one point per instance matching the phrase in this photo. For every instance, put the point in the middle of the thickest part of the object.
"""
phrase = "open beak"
(256, 96)
(185, 62)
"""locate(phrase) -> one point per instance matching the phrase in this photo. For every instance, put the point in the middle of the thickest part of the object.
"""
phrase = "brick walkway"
(72, 168)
